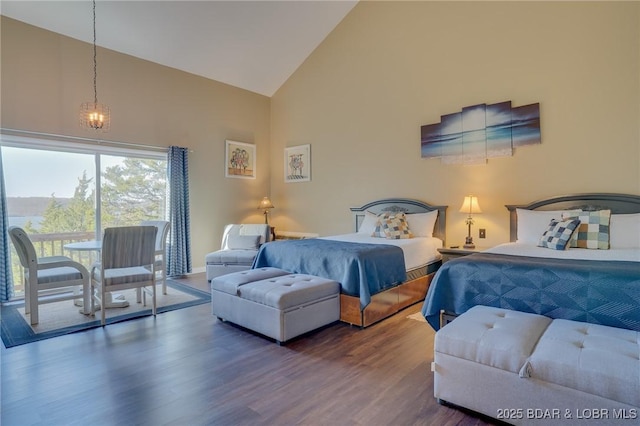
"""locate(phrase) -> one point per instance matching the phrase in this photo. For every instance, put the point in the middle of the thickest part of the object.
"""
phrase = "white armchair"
(240, 244)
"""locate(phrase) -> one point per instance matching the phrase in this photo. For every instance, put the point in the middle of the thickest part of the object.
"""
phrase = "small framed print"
(297, 164)
(240, 160)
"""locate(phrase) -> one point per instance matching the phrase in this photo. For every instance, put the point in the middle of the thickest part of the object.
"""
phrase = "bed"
(378, 276)
(599, 286)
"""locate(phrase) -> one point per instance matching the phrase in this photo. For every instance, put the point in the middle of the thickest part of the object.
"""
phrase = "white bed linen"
(418, 251)
(520, 249)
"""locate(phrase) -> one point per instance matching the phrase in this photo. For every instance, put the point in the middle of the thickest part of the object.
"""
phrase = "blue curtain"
(6, 278)
(179, 250)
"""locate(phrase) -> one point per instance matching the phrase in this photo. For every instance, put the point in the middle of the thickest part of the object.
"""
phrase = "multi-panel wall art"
(481, 131)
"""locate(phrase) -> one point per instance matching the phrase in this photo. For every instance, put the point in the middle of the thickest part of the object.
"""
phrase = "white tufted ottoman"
(274, 302)
(528, 369)
(592, 358)
(483, 339)
(499, 338)
(231, 283)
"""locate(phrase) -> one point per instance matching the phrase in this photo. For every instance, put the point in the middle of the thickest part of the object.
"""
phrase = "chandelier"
(94, 115)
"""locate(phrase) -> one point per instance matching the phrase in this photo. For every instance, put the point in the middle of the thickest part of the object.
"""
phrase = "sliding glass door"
(132, 190)
(66, 193)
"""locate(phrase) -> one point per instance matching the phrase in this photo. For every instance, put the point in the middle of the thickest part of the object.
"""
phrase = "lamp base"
(468, 243)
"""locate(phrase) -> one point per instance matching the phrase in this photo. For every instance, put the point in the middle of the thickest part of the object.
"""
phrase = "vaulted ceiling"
(254, 45)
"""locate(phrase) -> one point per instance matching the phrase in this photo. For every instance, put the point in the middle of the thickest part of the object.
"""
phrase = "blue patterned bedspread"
(361, 269)
(599, 292)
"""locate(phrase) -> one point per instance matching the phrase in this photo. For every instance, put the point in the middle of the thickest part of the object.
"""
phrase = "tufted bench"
(524, 368)
(274, 302)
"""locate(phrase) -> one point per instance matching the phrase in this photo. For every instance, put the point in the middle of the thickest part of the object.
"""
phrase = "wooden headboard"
(617, 203)
(405, 205)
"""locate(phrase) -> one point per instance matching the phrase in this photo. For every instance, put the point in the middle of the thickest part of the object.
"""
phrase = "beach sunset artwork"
(480, 132)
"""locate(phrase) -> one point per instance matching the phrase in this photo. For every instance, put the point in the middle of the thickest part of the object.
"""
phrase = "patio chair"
(46, 273)
(161, 248)
(127, 261)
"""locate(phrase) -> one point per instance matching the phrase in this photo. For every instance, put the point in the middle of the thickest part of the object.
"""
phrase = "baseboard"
(194, 271)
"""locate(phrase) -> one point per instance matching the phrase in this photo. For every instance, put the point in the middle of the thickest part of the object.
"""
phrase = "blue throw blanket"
(361, 269)
(598, 292)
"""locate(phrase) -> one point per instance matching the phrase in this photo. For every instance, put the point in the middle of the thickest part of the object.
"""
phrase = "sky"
(38, 173)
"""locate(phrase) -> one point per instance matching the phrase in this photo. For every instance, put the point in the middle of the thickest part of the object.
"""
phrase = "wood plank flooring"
(187, 368)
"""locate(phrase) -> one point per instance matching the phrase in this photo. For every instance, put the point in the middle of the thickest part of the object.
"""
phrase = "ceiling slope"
(254, 45)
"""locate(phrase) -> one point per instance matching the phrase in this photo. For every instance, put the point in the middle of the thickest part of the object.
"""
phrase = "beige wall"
(46, 76)
(390, 67)
(360, 100)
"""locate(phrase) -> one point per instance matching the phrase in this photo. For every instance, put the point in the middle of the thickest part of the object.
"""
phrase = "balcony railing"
(52, 245)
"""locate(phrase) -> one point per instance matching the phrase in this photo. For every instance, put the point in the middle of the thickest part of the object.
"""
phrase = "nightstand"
(449, 253)
(289, 235)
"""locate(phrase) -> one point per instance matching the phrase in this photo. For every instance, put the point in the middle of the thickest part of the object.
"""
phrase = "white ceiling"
(254, 45)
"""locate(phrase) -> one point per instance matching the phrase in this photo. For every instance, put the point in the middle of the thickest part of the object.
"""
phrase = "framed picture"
(240, 160)
(297, 163)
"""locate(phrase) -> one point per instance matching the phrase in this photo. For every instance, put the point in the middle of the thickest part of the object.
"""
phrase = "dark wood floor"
(187, 368)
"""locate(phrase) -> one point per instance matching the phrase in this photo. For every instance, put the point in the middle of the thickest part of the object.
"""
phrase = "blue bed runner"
(361, 269)
(599, 292)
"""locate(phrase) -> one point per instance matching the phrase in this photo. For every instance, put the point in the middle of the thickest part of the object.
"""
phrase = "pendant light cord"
(95, 60)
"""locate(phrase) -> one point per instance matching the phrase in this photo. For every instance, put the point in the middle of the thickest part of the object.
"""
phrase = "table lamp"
(469, 206)
(265, 205)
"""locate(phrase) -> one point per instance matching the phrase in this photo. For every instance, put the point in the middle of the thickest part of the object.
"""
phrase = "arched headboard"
(617, 203)
(406, 205)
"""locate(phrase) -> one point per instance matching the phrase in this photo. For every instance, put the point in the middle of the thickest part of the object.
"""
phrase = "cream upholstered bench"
(528, 369)
(274, 302)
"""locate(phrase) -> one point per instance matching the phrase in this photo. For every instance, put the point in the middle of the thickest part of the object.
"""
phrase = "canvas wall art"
(479, 132)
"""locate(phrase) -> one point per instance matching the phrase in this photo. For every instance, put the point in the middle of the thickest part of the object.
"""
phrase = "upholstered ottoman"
(231, 283)
(591, 358)
(528, 369)
(275, 303)
(495, 337)
(477, 355)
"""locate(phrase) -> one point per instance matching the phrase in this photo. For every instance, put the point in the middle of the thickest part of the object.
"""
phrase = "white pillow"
(624, 231)
(368, 224)
(533, 223)
(421, 224)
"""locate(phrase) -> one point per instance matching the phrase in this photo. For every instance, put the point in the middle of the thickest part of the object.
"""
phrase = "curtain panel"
(6, 277)
(179, 250)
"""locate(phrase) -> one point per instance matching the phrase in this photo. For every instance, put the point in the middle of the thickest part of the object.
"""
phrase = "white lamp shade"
(470, 205)
(266, 204)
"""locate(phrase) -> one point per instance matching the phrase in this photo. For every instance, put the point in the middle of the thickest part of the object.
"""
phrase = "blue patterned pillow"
(558, 234)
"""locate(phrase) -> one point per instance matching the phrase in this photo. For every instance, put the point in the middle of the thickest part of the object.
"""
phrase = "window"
(55, 193)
